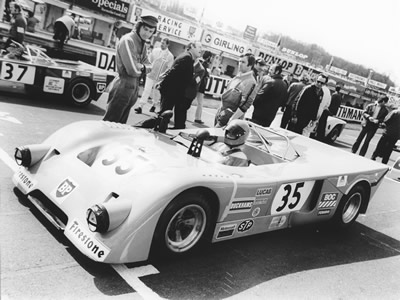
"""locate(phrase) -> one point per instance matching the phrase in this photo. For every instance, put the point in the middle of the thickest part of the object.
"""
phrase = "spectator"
(305, 108)
(260, 69)
(216, 71)
(390, 136)
(288, 79)
(332, 110)
(63, 29)
(238, 96)
(161, 59)
(192, 89)
(373, 115)
(271, 96)
(32, 21)
(18, 25)
(206, 61)
(236, 133)
(175, 81)
(293, 91)
(131, 62)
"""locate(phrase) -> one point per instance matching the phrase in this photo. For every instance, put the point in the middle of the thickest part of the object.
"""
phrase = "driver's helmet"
(236, 133)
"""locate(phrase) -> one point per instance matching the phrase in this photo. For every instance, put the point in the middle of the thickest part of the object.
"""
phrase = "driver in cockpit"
(236, 133)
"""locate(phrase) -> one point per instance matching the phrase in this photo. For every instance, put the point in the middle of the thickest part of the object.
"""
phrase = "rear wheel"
(80, 92)
(184, 225)
(349, 207)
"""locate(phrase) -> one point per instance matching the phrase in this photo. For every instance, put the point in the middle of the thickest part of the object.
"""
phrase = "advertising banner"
(225, 44)
(348, 113)
(216, 85)
(115, 8)
(170, 25)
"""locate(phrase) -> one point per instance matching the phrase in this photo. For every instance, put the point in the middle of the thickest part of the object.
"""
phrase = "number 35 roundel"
(291, 197)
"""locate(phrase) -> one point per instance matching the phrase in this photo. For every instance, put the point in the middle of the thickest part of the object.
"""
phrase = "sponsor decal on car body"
(328, 200)
(226, 231)
(241, 206)
(64, 189)
(277, 222)
(245, 225)
(85, 240)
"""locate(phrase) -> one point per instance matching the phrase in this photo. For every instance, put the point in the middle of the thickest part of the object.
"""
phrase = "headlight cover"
(98, 219)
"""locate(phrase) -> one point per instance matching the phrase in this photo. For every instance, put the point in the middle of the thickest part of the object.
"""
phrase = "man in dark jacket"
(390, 136)
(293, 91)
(175, 82)
(18, 25)
(272, 95)
(306, 108)
(374, 115)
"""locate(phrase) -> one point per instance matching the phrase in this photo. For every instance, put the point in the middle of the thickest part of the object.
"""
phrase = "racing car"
(78, 82)
(123, 193)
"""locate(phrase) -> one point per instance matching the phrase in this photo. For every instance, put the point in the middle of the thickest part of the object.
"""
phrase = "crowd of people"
(175, 84)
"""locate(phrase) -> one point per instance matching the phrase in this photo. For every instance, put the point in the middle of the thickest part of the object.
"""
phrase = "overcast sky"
(364, 32)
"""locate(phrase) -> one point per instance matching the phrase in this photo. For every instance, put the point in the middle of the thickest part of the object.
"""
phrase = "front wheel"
(349, 207)
(184, 225)
(80, 92)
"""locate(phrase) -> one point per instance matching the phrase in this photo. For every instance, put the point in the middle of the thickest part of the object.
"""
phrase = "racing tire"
(184, 225)
(80, 92)
(349, 207)
(333, 135)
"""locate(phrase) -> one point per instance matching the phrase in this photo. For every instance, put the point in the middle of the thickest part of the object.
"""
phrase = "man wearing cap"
(131, 61)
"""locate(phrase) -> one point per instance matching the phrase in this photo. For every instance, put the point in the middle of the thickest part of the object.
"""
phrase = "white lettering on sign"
(106, 60)
(216, 85)
(350, 113)
(53, 85)
(294, 53)
(172, 26)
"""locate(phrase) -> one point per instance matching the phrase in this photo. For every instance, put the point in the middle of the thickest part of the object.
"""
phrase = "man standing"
(272, 95)
(63, 29)
(332, 110)
(390, 136)
(238, 96)
(175, 82)
(373, 115)
(161, 59)
(205, 61)
(18, 25)
(294, 90)
(131, 61)
(305, 111)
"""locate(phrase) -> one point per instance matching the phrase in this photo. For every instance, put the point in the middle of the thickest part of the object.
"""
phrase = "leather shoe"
(138, 110)
(199, 121)
(152, 109)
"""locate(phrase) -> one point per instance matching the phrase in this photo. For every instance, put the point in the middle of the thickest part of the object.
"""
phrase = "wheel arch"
(367, 188)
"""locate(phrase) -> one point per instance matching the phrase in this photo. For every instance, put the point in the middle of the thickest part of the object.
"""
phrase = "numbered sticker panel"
(291, 197)
(17, 73)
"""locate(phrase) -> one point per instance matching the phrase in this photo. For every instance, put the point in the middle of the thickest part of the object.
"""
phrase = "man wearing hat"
(131, 61)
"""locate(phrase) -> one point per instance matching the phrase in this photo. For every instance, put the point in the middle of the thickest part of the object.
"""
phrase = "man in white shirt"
(161, 59)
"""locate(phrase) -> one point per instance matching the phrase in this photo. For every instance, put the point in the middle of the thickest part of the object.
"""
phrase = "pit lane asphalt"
(302, 263)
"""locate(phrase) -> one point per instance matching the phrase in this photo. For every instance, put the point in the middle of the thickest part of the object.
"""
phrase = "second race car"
(78, 82)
